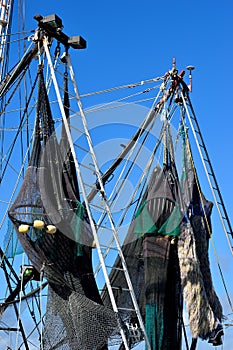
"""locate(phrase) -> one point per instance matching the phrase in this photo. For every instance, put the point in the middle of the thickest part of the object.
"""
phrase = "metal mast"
(6, 8)
(207, 165)
(112, 228)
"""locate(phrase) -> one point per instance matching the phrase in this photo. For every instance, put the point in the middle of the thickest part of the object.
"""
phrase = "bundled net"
(203, 306)
(54, 231)
(150, 250)
(158, 220)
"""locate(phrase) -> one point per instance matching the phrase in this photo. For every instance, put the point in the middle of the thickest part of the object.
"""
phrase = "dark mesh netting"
(158, 219)
(133, 252)
(73, 323)
(153, 263)
(160, 211)
(48, 198)
(68, 164)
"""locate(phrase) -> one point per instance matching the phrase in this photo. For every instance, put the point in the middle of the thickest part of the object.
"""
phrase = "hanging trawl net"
(158, 219)
(203, 306)
(132, 249)
(53, 229)
(68, 164)
(150, 250)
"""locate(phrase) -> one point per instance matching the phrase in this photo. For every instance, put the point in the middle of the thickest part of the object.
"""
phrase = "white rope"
(131, 85)
(104, 105)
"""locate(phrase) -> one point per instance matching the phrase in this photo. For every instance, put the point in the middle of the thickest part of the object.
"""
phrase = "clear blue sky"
(134, 40)
(130, 41)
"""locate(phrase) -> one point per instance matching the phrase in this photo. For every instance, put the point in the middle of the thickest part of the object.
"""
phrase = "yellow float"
(38, 224)
(51, 229)
(23, 228)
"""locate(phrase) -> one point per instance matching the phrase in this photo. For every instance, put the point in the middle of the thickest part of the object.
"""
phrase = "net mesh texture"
(76, 317)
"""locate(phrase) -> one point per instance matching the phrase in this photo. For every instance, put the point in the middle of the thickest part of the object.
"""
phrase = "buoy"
(38, 224)
(23, 228)
(51, 229)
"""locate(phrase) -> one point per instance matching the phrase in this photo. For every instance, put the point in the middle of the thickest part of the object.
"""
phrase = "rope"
(132, 85)
(130, 153)
(18, 33)
(142, 178)
(103, 106)
(18, 131)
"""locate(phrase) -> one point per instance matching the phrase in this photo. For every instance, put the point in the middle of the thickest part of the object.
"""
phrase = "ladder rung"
(121, 289)
(97, 207)
(115, 268)
(108, 247)
(126, 309)
(88, 168)
(81, 148)
(88, 185)
(105, 227)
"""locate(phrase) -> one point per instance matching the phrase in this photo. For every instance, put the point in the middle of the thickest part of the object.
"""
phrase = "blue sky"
(130, 41)
(133, 40)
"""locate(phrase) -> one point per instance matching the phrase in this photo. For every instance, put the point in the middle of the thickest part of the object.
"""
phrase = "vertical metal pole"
(5, 20)
(45, 43)
(207, 172)
(21, 329)
(102, 191)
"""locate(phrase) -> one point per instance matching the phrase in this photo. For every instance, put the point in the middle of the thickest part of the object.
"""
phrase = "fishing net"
(203, 306)
(162, 286)
(11, 243)
(152, 262)
(49, 197)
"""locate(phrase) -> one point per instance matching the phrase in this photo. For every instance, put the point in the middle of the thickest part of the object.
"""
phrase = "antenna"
(190, 68)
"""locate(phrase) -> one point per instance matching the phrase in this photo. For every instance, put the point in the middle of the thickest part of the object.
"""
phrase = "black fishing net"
(158, 219)
(75, 317)
(150, 250)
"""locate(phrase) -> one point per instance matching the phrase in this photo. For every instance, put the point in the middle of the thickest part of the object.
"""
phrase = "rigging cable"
(131, 152)
(19, 130)
(132, 85)
(142, 178)
(16, 311)
(105, 105)
(156, 109)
